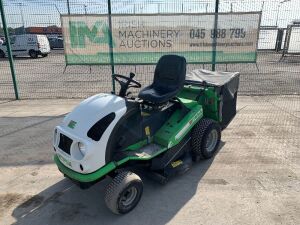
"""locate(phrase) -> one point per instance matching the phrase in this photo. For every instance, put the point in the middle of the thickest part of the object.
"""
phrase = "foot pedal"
(178, 167)
(170, 155)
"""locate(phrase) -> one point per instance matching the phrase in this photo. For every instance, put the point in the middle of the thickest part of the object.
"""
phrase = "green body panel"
(190, 104)
(190, 92)
(175, 129)
(84, 177)
(207, 97)
(210, 102)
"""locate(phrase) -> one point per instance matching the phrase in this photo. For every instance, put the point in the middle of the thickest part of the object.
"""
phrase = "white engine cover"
(76, 125)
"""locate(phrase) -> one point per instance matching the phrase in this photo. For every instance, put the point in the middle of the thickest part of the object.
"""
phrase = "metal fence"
(49, 78)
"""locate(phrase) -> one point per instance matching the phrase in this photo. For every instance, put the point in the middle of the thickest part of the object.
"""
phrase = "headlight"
(55, 137)
(82, 148)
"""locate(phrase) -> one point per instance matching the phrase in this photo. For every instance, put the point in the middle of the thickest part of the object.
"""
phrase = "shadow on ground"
(65, 203)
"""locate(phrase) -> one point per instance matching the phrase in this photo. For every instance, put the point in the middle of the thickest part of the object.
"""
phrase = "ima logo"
(72, 124)
(80, 32)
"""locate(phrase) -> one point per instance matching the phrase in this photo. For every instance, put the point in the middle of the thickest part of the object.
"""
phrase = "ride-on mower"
(174, 122)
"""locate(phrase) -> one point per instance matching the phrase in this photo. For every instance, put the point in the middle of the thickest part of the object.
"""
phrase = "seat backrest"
(170, 73)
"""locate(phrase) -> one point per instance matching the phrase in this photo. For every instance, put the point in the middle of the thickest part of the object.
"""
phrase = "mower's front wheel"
(206, 136)
(124, 192)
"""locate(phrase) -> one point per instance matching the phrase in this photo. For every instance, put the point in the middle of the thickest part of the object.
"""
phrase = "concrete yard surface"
(254, 178)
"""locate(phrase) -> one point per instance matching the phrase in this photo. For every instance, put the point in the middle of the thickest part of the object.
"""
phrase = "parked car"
(56, 42)
(27, 44)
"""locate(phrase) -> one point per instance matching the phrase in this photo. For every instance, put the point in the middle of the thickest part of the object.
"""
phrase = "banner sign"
(142, 39)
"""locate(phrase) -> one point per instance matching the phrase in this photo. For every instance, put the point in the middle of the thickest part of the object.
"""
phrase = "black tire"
(33, 54)
(124, 192)
(44, 55)
(2, 54)
(206, 136)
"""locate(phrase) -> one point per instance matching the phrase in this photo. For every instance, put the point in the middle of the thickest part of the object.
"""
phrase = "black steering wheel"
(126, 82)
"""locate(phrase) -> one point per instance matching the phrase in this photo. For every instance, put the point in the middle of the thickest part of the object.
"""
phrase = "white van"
(27, 44)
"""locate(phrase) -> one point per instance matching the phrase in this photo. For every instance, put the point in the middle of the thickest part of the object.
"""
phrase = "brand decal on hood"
(72, 124)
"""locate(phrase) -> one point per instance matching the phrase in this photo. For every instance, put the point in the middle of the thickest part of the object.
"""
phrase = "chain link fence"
(49, 77)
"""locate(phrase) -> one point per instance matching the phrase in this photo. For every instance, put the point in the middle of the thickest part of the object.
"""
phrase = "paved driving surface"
(254, 178)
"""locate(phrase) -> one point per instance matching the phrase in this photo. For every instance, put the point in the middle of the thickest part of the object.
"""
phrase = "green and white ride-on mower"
(174, 122)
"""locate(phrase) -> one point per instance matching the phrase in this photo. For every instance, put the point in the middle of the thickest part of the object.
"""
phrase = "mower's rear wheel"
(206, 136)
(33, 54)
(124, 192)
(2, 54)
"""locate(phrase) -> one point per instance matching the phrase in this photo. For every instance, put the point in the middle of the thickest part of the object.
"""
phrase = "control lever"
(131, 75)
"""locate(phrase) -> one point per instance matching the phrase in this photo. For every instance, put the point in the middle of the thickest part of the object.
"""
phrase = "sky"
(47, 12)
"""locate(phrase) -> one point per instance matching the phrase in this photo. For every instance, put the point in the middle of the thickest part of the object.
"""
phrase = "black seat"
(169, 77)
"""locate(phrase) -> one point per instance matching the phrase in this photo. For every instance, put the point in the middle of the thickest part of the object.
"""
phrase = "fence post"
(22, 17)
(11, 62)
(111, 53)
(214, 44)
(279, 39)
(68, 6)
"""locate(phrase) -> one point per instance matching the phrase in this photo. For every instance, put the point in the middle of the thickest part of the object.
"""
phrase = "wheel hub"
(212, 140)
(128, 196)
